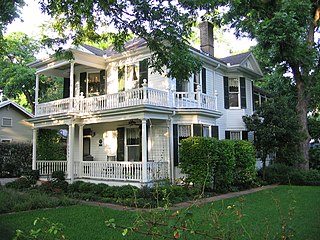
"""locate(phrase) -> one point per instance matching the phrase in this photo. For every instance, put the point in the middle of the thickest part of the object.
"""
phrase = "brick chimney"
(206, 37)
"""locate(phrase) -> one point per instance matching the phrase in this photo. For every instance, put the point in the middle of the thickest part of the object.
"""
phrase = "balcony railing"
(134, 97)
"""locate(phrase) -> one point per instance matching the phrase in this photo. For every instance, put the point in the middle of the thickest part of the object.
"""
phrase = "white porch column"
(71, 85)
(210, 131)
(80, 149)
(34, 148)
(144, 151)
(36, 95)
(71, 153)
(171, 152)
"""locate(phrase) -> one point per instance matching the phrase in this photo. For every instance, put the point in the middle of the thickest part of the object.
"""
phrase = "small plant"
(59, 175)
(44, 229)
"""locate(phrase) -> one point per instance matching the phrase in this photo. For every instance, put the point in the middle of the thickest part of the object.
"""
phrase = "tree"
(276, 130)
(16, 78)
(285, 32)
(9, 11)
(165, 25)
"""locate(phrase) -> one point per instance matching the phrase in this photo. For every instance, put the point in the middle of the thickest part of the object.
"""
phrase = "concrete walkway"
(4, 181)
(183, 204)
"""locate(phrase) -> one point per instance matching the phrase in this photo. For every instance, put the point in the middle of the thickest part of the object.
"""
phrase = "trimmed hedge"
(15, 158)
(220, 165)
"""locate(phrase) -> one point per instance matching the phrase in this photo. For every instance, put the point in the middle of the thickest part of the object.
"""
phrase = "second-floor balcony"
(135, 97)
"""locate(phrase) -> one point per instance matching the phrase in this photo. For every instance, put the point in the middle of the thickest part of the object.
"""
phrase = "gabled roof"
(16, 105)
(96, 51)
(236, 59)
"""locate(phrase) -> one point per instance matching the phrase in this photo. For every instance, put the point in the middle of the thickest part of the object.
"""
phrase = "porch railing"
(134, 97)
(122, 171)
(46, 168)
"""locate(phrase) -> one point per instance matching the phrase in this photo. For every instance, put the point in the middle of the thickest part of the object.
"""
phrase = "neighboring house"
(125, 123)
(13, 123)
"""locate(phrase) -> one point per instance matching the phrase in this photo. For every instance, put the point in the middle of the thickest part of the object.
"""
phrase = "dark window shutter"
(243, 92)
(83, 84)
(227, 135)
(143, 71)
(226, 92)
(204, 80)
(66, 87)
(120, 142)
(253, 107)
(175, 145)
(197, 130)
(245, 135)
(102, 82)
(215, 132)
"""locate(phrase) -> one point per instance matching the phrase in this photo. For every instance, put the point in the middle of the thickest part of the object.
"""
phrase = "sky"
(33, 18)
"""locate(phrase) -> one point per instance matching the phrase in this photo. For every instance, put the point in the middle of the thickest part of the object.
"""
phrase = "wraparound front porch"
(107, 171)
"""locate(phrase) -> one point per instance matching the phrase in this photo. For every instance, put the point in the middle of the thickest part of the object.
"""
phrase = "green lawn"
(260, 216)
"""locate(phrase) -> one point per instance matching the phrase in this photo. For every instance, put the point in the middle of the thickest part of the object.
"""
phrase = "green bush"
(245, 173)
(15, 158)
(19, 184)
(314, 158)
(50, 146)
(86, 187)
(58, 175)
(32, 175)
(219, 165)
(126, 191)
(277, 173)
(280, 173)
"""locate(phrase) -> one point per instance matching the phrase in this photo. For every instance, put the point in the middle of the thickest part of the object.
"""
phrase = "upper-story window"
(92, 84)
(235, 93)
(200, 79)
(6, 122)
(132, 76)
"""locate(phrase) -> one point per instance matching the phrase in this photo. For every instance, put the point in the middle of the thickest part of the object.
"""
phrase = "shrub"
(19, 184)
(15, 158)
(32, 175)
(277, 173)
(314, 158)
(86, 187)
(245, 164)
(126, 191)
(58, 175)
(218, 164)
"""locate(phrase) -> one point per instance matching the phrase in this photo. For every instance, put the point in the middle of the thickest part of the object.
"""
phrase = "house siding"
(21, 131)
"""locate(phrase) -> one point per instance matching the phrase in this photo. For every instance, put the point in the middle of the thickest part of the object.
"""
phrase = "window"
(234, 92)
(6, 122)
(184, 132)
(131, 76)
(93, 84)
(235, 136)
(133, 144)
(200, 79)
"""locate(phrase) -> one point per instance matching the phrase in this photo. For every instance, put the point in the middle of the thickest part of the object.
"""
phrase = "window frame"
(5, 125)
(238, 93)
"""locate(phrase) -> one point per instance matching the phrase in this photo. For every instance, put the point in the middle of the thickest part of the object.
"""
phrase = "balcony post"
(144, 151)
(36, 95)
(34, 148)
(71, 85)
(144, 87)
(70, 157)
(215, 100)
(199, 96)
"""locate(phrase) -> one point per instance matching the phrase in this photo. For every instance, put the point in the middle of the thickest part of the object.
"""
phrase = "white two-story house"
(125, 123)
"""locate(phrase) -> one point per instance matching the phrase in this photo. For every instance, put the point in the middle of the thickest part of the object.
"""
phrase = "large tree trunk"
(302, 107)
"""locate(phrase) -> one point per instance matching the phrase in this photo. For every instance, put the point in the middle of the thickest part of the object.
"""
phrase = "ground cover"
(262, 214)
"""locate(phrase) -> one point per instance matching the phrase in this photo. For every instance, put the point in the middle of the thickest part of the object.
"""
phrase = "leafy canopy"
(165, 25)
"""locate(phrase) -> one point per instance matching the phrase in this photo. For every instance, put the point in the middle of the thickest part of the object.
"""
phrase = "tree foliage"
(165, 25)
(277, 131)
(285, 32)
(17, 78)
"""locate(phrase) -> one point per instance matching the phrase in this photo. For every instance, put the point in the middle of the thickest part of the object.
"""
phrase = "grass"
(261, 218)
